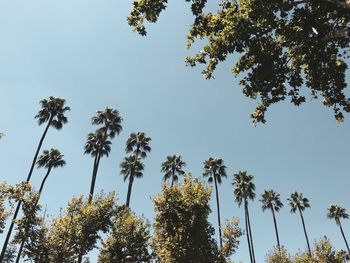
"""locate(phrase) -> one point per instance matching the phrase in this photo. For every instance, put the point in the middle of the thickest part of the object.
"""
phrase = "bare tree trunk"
(276, 230)
(247, 232)
(131, 180)
(250, 235)
(218, 208)
(342, 232)
(307, 239)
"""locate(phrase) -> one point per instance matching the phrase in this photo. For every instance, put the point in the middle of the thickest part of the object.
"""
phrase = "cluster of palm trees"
(98, 145)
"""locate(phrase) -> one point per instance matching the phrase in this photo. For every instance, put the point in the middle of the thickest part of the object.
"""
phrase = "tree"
(74, 233)
(271, 200)
(231, 234)
(98, 146)
(130, 236)
(299, 203)
(1, 135)
(172, 168)
(244, 190)
(182, 232)
(137, 145)
(215, 169)
(49, 159)
(131, 167)
(281, 46)
(111, 121)
(337, 212)
(52, 112)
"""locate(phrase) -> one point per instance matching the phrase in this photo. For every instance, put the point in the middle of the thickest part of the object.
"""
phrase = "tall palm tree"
(244, 190)
(271, 200)
(298, 202)
(50, 160)
(98, 146)
(111, 121)
(337, 212)
(215, 169)
(131, 167)
(172, 168)
(52, 112)
(138, 144)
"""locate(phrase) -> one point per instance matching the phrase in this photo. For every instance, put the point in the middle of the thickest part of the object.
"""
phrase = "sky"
(84, 51)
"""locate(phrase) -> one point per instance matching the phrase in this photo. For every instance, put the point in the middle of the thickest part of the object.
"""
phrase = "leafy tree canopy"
(282, 47)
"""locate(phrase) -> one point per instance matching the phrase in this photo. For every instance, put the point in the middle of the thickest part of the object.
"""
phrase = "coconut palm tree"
(98, 146)
(299, 203)
(337, 212)
(50, 160)
(111, 121)
(131, 168)
(52, 112)
(271, 200)
(244, 190)
(215, 169)
(138, 144)
(172, 168)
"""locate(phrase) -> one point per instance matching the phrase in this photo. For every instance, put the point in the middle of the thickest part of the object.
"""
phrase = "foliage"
(323, 252)
(182, 232)
(129, 237)
(76, 232)
(10, 193)
(10, 254)
(231, 234)
(172, 167)
(282, 46)
(53, 110)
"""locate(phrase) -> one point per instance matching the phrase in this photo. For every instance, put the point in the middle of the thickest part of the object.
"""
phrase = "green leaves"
(281, 47)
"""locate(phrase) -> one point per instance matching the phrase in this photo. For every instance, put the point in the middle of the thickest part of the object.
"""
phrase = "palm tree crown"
(244, 187)
(271, 200)
(97, 144)
(337, 212)
(50, 159)
(172, 167)
(53, 110)
(111, 120)
(298, 201)
(138, 144)
(131, 166)
(214, 168)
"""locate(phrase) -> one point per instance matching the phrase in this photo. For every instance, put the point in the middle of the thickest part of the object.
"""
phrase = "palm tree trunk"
(37, 201)
(28, 178)
(307, 239)
(247, 232)
(131, 180)
(276, 230)
(93, 178)
(250, 234)
(218, 208)
(342, 232)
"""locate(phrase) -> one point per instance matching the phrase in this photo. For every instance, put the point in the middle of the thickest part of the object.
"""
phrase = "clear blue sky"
(85, 52)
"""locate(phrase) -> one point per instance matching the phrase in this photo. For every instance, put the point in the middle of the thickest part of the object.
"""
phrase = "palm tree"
(131, 167)
(97, 145)
(111, 121)
(271, 200)
(215, 169)
(138, 144)
(49, 159)
(172, 168)
(336, 212)
(52, 112)
(300, 203)
(244, 190)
